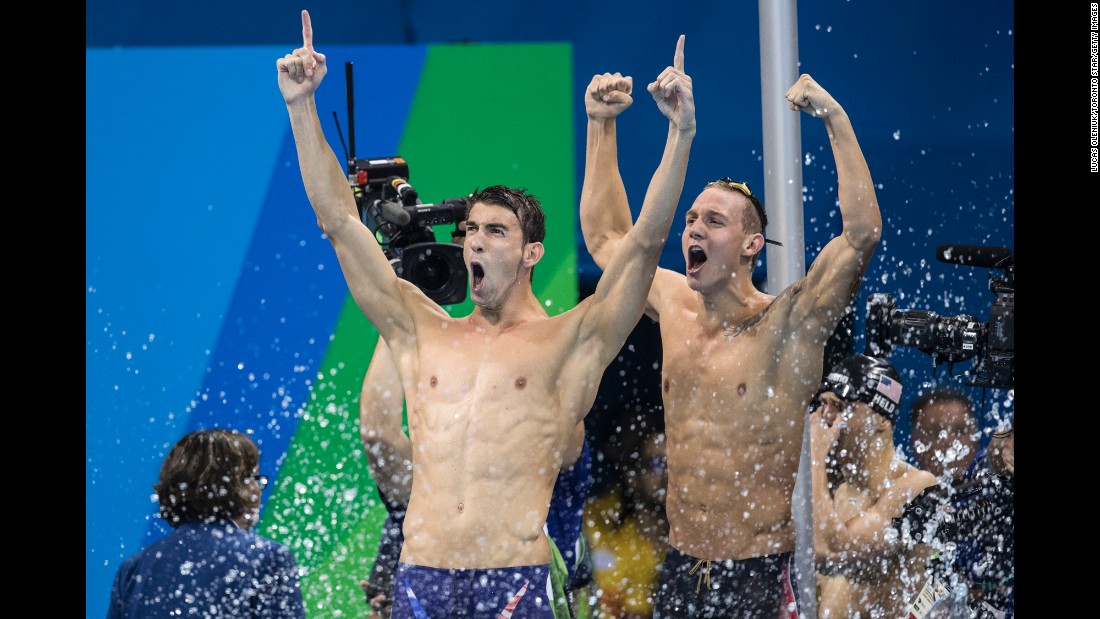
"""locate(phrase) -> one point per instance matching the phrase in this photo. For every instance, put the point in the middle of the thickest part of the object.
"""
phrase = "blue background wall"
(929, 87)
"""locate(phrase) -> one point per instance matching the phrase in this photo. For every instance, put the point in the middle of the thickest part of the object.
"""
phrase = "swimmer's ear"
(884, 425)
(754, 243)
(532, 253)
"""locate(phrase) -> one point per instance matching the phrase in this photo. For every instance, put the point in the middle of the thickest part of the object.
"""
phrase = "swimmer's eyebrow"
(491, 225)
(705, 212)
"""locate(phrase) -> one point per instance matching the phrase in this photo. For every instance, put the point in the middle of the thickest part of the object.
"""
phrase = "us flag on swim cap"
(889, 388)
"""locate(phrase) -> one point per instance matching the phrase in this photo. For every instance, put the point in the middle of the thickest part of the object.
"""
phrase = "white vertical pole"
(782, 143)
(786, 265)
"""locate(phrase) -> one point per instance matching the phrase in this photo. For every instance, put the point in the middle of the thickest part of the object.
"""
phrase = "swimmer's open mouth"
(696, 258)
(477, 275)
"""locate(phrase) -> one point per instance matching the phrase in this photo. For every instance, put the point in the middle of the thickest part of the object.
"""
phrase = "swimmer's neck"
(514, 312)
(728, 307)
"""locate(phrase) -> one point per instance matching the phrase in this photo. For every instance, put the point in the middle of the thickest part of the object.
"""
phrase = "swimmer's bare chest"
(713, 376)
(494, 381)
(465, 364)
(755, 376)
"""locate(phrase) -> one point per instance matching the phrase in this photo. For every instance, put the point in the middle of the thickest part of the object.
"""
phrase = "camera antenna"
(349, 155)
(340, 133)
(351, 116)
(351, 124)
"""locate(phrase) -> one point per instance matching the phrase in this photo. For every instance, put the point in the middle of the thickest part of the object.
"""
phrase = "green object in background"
(483, 115)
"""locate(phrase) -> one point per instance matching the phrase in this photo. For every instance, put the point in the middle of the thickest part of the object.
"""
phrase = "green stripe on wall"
(325, 505)
(501, 115)
(483, 115)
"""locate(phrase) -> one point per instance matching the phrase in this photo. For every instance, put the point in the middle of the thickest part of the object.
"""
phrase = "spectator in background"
(985, 515)
(979, 484)
(944, 433)
(212, 564)
(628, 532)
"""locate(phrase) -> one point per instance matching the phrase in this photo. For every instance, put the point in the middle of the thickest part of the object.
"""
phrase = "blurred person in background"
(979, 484)
(627, 530)
(984, 506)
(211, 564)
(944, 433)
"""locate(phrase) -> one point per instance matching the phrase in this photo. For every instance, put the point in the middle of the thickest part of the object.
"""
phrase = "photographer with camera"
(494, 396)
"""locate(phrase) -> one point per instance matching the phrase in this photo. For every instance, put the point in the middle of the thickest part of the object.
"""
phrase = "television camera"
(392, 209)
(952, 339)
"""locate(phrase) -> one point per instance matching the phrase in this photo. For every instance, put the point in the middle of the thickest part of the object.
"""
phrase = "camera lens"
(437, 270)
(431, 273)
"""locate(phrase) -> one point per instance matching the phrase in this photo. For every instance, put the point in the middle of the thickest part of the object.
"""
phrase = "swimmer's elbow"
(602, 247)
(865, 236)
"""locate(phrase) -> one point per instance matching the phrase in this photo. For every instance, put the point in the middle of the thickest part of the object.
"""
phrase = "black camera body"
(955, 338)
(392, 209)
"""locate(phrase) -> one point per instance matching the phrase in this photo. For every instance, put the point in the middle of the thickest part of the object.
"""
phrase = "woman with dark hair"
(212, 563)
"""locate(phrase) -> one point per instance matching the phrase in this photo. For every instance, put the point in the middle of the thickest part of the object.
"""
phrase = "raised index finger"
(307, 31)
(678, 58)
